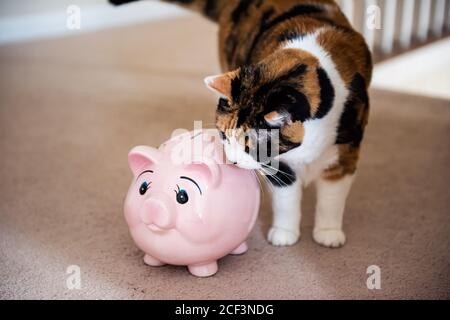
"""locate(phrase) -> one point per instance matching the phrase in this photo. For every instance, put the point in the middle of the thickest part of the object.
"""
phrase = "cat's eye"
(144, 187)
(182, 196)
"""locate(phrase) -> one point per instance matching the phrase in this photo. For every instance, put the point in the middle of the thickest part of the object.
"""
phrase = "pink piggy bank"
(187, 206)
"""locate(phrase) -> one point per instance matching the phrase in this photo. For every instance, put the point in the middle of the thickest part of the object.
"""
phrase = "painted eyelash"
(148, 184)
(179, 189)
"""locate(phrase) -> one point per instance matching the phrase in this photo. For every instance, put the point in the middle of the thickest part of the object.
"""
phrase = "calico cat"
(297, 67)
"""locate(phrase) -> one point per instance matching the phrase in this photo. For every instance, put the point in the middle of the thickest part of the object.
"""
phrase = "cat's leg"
(285, 230)
(331, 198)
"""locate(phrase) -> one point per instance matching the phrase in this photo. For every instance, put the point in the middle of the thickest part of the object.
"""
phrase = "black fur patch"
(287, 145)
(223, 105)
(300, 108)
(210, 9)
(290, 35)
(236, 87)
(359, 88)
(350, 129)
(326, 94)
(276, 95)
(240, 10)
(248, 74)
(369, 62)
(299, 10)
(296, 72)
(284, 177)
(243, 116)
(290, 100)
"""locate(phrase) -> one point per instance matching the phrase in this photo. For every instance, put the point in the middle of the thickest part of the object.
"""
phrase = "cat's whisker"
(259, 181)
(264, 177)
(281, 182)
(268, 183)
(289, 176)
(278, 180)
(278, 170)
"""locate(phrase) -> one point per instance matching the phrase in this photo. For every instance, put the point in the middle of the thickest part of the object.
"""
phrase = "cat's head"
(267, 103)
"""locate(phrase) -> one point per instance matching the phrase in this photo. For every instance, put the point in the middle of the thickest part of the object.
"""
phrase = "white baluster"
(439, 18)
(424, 20)
(348, 9)
(390, 15)
(448, 17)
(371, 21)
(407, 23)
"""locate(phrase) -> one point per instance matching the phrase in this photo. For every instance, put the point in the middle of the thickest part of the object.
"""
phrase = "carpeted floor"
(71, 109)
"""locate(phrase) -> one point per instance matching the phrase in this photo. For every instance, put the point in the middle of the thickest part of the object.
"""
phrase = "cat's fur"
(299, 67)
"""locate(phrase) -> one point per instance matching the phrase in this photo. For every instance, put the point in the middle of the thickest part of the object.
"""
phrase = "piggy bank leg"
(204, 270)
(243, 248)
(149, 260)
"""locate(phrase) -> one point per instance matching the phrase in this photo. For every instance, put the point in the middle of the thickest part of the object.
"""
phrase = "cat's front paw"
(282, 237)
(330, 238)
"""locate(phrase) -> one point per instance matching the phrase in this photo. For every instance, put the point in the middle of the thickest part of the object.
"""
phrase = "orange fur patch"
(294, 132)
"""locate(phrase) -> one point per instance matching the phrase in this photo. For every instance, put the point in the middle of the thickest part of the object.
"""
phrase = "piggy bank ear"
(207, 168)
(141, 157)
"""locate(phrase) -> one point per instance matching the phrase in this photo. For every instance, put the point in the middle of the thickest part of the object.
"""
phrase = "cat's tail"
(209, 8)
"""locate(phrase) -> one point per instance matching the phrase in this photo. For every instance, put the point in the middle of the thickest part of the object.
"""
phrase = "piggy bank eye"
(182, 197)
(144, 187)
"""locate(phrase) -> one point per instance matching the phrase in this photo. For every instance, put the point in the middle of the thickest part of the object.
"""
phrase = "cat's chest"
(309, 172)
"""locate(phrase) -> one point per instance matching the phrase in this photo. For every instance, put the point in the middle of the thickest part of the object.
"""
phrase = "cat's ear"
(221, 84)
(278, 118)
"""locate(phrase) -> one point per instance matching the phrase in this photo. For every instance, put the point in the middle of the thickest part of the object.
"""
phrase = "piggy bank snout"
(158, 212)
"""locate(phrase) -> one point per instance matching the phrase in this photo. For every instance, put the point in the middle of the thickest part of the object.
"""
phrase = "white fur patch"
(317, 153)
(285, 229)
(331, 199)
(236, 153)
(320, 134)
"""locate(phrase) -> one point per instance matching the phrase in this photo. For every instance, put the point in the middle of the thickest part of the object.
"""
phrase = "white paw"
(331, 238)
(282, 237)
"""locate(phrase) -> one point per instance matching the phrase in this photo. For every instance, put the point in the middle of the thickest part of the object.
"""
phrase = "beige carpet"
(70, 110)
